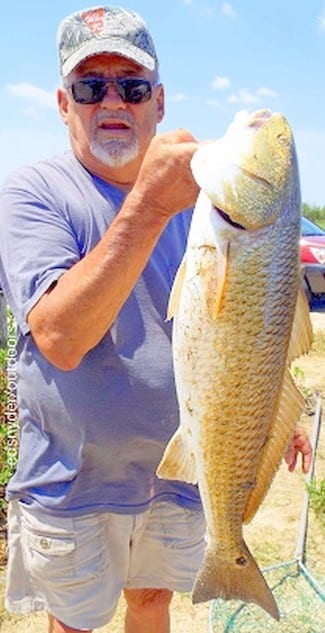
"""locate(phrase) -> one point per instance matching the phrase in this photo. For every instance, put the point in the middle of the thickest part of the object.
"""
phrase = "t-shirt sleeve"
(37, 241)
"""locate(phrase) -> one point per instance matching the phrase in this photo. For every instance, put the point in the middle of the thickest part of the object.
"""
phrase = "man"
(90, 243)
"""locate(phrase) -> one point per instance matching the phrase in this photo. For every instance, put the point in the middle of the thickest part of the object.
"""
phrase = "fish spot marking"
(241, 561)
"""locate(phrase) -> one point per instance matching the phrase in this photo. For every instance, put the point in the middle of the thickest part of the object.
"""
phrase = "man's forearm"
(74, 315)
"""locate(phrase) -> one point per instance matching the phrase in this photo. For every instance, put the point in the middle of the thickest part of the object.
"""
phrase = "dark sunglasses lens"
(88, 90)
(135, 90)
(93, 90)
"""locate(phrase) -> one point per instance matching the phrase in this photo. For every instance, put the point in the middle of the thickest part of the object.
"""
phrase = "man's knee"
(146, 600)
(56, 626)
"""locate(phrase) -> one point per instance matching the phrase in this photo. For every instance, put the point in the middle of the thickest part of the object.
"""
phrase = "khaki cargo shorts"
(76, 567)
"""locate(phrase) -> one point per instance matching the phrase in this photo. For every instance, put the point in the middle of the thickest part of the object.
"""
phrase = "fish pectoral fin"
(178, 462)
(217, 285)
(176, 290)
(289, 408)
(302, 332)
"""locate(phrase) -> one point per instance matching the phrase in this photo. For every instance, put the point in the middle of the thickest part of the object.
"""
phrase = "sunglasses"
(93, 89)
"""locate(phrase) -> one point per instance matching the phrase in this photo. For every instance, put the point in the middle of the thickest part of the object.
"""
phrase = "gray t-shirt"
(90, 438)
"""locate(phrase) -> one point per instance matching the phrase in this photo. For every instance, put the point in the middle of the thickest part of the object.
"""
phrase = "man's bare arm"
(72, 317)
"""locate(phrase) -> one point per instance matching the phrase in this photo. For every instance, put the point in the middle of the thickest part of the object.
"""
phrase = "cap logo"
(94, 19)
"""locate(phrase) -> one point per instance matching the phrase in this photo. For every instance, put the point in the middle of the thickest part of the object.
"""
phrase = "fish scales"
(234, 304)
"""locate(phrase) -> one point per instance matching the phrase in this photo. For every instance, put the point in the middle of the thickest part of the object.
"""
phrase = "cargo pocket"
(47, 556)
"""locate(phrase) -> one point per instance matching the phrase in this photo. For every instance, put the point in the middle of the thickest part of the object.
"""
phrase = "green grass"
(316, 490)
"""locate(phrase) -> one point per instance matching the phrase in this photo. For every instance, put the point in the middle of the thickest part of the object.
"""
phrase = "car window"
(309, 228)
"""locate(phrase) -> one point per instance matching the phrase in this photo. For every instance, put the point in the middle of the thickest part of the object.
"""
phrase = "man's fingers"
(299, 444)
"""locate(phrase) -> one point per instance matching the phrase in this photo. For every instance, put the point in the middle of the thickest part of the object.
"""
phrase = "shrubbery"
(315, 214)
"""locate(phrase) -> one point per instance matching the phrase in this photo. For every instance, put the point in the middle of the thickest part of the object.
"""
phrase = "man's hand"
(299, 444)
(165, 179)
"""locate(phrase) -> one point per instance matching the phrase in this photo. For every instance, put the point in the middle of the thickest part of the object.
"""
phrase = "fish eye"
(283, 139)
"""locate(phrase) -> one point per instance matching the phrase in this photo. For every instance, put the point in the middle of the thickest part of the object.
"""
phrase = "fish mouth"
(228, 219)
(260, 181)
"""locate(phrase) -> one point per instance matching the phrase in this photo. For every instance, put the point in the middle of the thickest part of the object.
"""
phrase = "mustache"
(125, 117)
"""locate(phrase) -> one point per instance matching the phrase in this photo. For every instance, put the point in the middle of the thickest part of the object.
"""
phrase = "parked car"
(312, 257)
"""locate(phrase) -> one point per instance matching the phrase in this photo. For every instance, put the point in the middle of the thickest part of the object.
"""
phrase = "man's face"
(111, 134)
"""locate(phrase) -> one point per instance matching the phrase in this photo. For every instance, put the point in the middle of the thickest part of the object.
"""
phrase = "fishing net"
(300, 603)
(297, 586)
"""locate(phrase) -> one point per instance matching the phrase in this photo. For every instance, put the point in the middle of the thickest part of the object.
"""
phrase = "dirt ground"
(272, 535)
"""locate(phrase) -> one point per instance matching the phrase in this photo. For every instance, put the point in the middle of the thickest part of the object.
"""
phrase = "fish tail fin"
(240, 579)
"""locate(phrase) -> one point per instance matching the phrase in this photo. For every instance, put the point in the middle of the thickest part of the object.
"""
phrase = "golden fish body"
(237, 327)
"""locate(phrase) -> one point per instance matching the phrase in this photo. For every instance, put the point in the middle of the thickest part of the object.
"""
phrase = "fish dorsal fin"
(215, 293)
(178, 461)
(290, 407)
(302, 332)
(176, 290)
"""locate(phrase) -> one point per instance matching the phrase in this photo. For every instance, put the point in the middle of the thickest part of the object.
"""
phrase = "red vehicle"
(312, 257)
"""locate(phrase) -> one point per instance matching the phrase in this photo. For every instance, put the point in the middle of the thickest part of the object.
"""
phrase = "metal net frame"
(299, 594)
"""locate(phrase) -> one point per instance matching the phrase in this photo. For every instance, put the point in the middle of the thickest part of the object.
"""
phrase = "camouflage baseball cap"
(104, 29)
